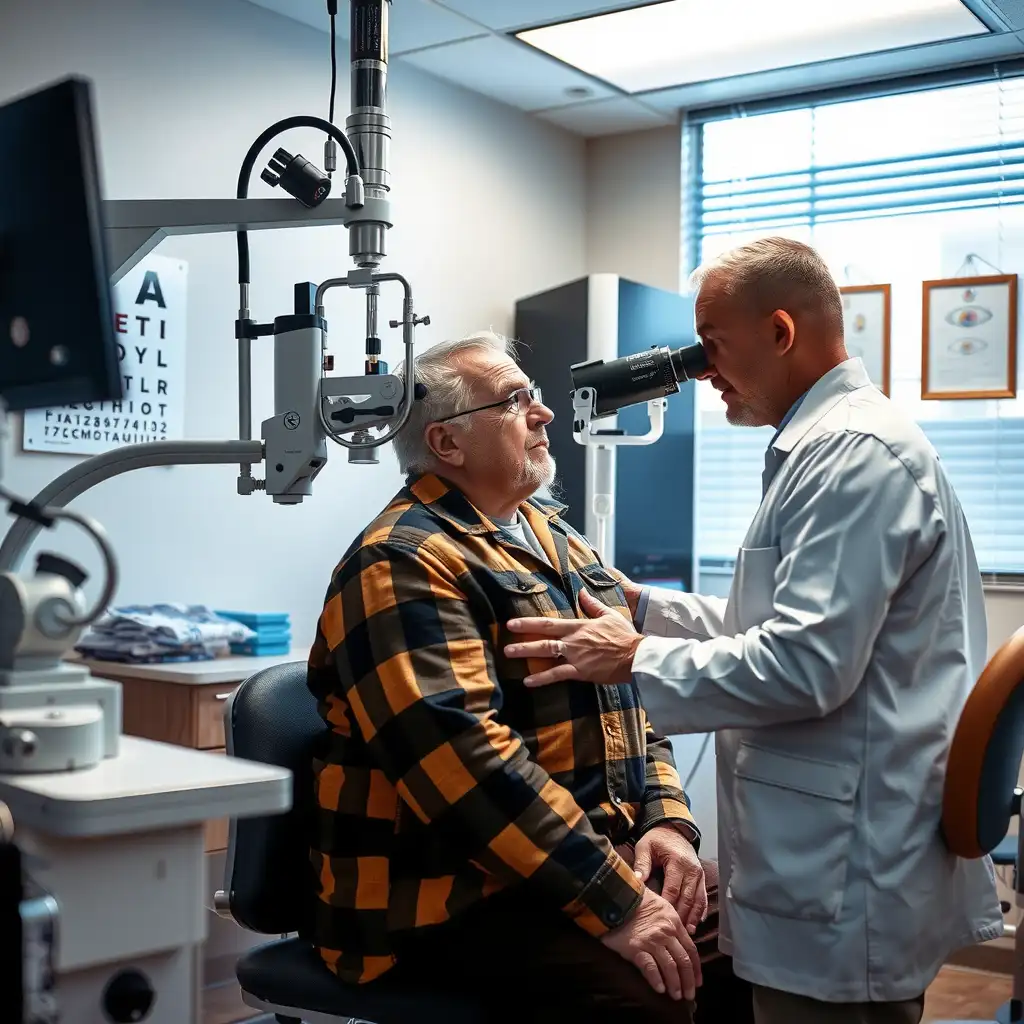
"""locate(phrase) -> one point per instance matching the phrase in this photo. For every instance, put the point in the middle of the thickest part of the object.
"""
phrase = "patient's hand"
(655, 941)
(665, 847)
(656, 878)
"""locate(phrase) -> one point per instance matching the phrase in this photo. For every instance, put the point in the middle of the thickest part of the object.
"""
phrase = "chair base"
(287, 978)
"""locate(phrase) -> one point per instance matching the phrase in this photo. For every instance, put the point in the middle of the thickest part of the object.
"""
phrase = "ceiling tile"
(309, 12)
(412, 24)
(508, 14)
(836, 73)
(507, 71)
(606, 117)
(1006, 13)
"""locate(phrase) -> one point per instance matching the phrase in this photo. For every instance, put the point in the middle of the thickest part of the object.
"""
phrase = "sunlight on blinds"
(896, 189)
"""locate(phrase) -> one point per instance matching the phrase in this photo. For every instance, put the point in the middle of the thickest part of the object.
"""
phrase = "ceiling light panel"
(683, 41)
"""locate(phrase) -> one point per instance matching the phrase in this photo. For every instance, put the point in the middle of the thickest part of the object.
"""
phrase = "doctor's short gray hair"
(776, 273)
(447, 391)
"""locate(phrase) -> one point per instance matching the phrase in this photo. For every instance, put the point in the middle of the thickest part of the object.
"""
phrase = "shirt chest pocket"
(521, 595)
(602, 585)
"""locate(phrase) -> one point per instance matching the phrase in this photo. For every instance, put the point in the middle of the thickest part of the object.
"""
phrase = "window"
(901, 189)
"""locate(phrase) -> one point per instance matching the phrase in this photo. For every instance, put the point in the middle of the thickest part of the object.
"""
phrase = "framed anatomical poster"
(867, 316)
(969, 343)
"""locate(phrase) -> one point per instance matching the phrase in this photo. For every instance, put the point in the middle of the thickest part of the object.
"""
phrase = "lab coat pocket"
(794, 823)
(754, 586)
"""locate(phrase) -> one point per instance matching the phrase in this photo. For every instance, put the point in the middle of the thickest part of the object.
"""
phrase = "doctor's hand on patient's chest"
(598, 649)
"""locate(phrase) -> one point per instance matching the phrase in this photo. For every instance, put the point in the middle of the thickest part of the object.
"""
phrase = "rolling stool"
(981, 795)
(268, 886)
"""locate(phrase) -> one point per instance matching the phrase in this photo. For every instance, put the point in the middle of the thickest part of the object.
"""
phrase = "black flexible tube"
(299, 121)
(334, 69)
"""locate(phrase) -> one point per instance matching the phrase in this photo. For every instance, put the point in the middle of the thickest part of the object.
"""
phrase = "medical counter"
(182, 703)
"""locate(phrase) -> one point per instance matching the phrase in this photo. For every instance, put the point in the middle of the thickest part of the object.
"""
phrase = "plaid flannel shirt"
(441, 779)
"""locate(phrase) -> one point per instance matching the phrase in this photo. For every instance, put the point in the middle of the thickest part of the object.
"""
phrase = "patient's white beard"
(540, 472)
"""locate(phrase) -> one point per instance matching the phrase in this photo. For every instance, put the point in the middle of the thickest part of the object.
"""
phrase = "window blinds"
(938, 150)
(944, 152)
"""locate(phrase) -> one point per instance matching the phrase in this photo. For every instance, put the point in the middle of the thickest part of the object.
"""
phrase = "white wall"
(633, 206)
(1005, 616)
(182, 90)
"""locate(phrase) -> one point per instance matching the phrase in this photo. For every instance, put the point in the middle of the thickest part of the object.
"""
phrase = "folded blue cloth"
(256, 649)
(259, 620)
(273, 636)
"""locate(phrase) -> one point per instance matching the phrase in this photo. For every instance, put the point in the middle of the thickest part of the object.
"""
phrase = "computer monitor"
(57, 341)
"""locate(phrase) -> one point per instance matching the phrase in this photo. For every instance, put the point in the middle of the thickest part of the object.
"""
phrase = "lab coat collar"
(449, 503)
(840, 381)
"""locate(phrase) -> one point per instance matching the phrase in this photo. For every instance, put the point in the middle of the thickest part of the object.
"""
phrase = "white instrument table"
(147, 786)
(182, 703)
(120, 847)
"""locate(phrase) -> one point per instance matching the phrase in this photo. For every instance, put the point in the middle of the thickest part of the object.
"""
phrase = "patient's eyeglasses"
(518, 402)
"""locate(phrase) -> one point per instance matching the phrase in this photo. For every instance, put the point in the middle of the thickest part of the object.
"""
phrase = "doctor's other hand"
(665, 847)
(598, 649)
(655, 941)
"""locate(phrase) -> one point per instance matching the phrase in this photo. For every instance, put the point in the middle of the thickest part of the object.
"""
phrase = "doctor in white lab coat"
(833, 675)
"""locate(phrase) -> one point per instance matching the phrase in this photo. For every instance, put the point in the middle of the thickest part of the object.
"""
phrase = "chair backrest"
(985, 756)
(272, 718)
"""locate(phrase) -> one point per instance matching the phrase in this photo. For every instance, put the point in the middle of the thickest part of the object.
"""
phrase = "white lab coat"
(834, 676)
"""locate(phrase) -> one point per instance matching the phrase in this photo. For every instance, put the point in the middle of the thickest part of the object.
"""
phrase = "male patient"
(474, 835)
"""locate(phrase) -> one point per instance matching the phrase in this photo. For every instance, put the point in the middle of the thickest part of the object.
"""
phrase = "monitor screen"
(56, 326)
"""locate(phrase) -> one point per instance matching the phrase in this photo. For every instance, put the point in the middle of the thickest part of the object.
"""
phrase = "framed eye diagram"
(867, 319)
(969, 343)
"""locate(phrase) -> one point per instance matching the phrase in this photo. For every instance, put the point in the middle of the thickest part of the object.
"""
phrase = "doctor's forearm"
(745, 681)
(663, 612)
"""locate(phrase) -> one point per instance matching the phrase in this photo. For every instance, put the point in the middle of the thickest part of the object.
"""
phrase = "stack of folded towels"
(271, 633)
(162, 632)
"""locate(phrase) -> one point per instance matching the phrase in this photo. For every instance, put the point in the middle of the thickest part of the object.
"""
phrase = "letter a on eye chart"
(149, 309)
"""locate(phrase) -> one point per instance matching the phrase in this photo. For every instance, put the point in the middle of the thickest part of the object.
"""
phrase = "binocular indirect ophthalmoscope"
(641, 377)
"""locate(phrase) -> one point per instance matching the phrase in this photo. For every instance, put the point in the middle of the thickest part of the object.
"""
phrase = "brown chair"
(981, 793)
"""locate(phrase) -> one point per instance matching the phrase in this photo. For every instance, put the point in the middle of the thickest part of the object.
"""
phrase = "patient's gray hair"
(776, 273)
(448, 392)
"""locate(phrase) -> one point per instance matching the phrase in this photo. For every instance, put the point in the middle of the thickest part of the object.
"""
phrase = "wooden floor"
(958, 994)
(222, 1004)
(962, 994)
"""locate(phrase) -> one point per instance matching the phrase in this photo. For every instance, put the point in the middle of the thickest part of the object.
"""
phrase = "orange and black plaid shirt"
(440, 778)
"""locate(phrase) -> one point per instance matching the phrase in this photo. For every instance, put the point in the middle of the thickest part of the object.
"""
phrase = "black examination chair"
(272, 718)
